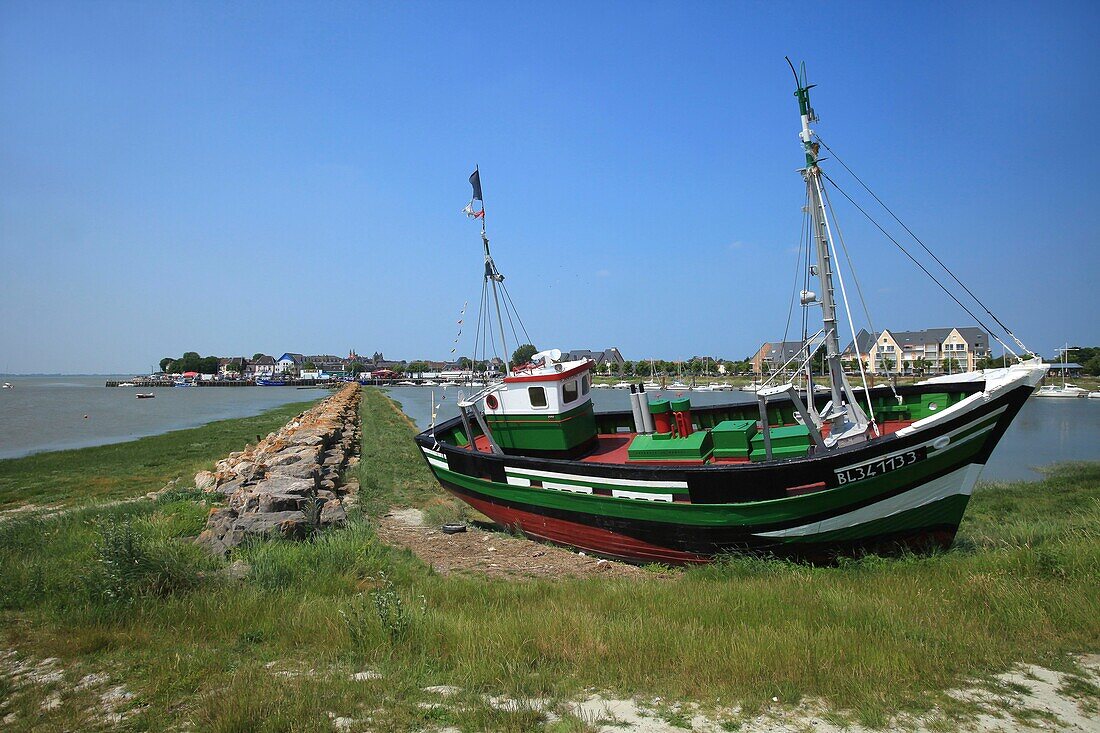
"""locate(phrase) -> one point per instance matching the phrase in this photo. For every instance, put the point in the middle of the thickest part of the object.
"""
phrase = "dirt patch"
(485, 551)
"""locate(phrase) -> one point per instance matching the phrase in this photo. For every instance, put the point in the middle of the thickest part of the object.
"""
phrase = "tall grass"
(872, 636)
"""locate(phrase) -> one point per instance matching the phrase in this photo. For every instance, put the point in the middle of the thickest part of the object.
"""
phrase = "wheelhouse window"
(586, 383)
(569, 391)
(537, 396)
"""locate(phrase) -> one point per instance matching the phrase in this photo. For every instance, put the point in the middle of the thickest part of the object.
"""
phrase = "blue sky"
(239, 177)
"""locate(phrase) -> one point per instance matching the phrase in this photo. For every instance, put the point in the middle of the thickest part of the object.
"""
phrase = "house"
(327, 362)
(933, 350)
(289, 364)
(773, 355)
(231, 366)
(606, 357)
(262, 367)
(860, 348)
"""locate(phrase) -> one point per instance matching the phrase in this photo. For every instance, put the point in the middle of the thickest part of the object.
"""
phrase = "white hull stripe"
(959, 481)
(567, 487)
(433, 453)
(645, 496)
(641, 483)
(930, 444)
(438, 464)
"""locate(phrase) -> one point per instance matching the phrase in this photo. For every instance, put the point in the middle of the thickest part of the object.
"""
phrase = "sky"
(232, 178)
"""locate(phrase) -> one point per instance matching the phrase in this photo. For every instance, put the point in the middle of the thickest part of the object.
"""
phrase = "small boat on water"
(145, 395)
(8, 385)
(1094, 395)
(679, 387)
(1065, 391)
(405, 383)
(787, 474)
(621, 385)
(270, 382)
(127, 384)
(1061, 390)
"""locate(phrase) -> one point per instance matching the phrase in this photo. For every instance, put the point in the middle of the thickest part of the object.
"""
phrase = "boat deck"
(612, 448)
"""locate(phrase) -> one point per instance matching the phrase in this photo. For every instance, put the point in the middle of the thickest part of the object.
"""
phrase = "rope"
(797, 271)
(931, 254)
(847, 308)
(859, 291)
(918, 264)
(515, 310)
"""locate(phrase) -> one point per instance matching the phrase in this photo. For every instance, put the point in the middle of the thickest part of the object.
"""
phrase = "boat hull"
(907, 491)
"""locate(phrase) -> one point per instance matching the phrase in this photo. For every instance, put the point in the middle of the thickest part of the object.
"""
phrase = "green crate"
(789, 441)
(695, 447)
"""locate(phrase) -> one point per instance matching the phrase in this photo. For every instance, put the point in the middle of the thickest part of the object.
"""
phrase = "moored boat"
(789, 474)
(145, 395)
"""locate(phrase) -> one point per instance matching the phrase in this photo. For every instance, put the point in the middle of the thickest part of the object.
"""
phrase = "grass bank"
(123, 470)
(346, 626)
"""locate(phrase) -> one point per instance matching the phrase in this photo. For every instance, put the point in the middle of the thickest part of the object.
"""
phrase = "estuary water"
(48, 413)
(1046, 431)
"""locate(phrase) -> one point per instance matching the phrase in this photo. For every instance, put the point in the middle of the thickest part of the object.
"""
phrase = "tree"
(257, 355)
(523, 354)
(627, 368)
(356, 367)
(309, 366)
(464, 363)
(165, 363)
(208, 365)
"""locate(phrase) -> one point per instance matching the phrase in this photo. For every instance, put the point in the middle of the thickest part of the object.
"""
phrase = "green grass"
(871, 637)
(124, 470)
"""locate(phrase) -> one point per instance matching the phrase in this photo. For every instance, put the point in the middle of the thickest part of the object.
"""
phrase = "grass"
(871, 637)
(124, 470)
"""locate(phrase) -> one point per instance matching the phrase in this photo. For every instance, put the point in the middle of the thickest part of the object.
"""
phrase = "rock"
(444, 690)
(333, 514)
(205, 481)
(370, 674)
(236, 571)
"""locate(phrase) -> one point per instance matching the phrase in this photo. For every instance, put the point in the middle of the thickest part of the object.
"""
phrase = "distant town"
(931, 351)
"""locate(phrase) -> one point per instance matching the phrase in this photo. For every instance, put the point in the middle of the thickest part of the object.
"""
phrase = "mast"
(492, 274)
(848, 422)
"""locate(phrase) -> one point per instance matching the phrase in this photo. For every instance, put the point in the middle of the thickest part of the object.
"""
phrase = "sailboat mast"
(848, 421)
(821, 236)
(492, 274)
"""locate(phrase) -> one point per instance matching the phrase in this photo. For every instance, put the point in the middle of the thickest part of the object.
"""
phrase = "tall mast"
(847, 420)
(492, 274)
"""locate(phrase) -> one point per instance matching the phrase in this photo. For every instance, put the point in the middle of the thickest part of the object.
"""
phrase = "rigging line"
(930, 252)
(797, 272)
(480, 311)
(508, 312)
(847, 310)
(859, 291)
(515, 310)
(917, 262)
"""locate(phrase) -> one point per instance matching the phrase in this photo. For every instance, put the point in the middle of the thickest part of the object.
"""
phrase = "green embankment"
(871, 637)
(124, 470)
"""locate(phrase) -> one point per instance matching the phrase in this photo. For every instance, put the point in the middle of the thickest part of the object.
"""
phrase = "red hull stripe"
(581, 536)
(557, 376)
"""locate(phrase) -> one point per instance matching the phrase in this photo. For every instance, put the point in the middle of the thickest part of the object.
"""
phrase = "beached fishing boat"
(794, 475)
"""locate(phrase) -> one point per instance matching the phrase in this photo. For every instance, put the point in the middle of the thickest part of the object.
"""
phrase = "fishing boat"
(788, 474)
(270, 382)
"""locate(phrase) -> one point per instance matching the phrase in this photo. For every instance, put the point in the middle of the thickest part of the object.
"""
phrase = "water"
(1046, 431)
(47, 413)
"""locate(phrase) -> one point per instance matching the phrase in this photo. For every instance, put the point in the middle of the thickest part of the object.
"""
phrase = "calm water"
(47, 413)
(1046, 431)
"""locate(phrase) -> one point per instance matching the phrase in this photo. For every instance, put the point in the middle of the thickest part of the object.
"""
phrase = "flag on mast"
(475, 182)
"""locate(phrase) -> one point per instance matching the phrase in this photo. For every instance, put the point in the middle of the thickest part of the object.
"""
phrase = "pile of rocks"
(291, 483)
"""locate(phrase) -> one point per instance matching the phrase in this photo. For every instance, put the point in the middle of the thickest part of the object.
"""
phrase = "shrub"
(130, 564)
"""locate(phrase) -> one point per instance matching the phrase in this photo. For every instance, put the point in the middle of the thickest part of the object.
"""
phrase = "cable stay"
(927, 250)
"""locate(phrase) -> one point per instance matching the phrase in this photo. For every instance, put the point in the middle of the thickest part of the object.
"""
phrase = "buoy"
(85, 417)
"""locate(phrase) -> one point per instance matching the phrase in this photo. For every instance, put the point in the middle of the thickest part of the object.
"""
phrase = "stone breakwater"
(291, 483)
